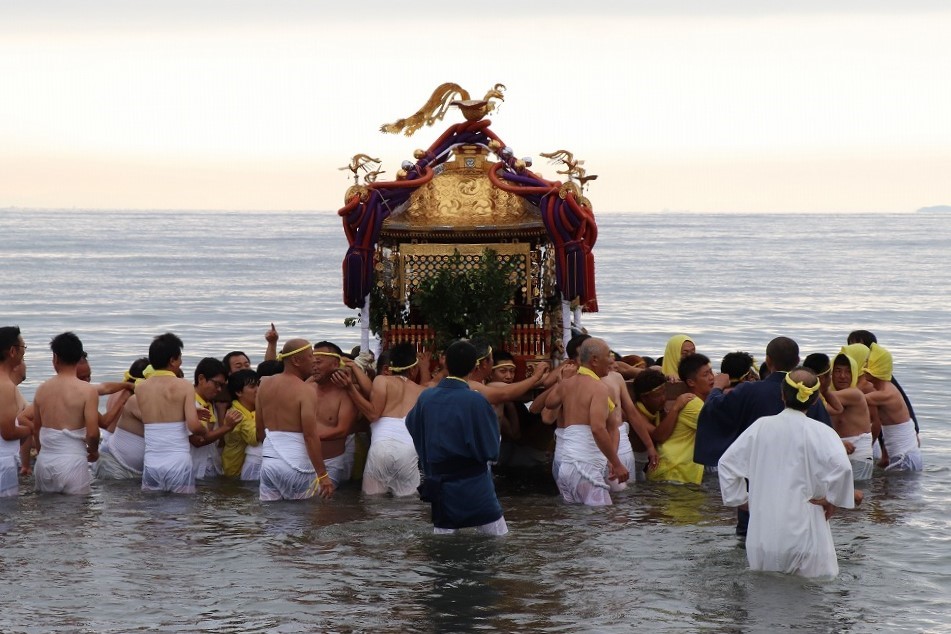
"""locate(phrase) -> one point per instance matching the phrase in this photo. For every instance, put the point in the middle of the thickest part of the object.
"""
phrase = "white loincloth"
(582, 468)
(9, 470)
(862, 462)
(62, 465)
(901, 442)
(497, 528)
(625, 453)
(556, 455)
(340, 467)
(392, 464)
(251, 469)
(286, 470)
(206, 461)
(167, 465)
(121, 457)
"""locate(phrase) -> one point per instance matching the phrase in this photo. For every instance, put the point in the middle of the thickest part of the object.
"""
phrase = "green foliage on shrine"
(466, 302)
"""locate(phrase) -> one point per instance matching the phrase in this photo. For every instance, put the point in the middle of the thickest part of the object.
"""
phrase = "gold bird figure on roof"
(371, 177)
(446, 95)
(358, 162)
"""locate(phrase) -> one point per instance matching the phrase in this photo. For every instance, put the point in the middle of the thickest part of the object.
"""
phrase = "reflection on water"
(663, 558)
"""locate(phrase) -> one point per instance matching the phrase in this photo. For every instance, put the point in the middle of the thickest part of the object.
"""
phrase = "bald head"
(297, 357)
(793, 395)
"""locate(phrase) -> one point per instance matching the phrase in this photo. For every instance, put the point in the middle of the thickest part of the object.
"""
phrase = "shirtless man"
(12, 349)
(167, 405)
(850, 415)
(587, 442)
(503, 373)
(625, 418)
(498, 394)
(292, 466)
(392, 464)
(336, 413)
(67, 417)
(650, 397)
(901, 452)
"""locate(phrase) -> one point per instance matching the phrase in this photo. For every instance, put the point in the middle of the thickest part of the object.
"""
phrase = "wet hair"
(737, 364)
(501, 355)
(461, 359)
(862, 336)
(402, 355)
(382, 361)
(481, 345)
(240, 379)
(573, 344)
(789, 392)
(228, 357)
(137, 368)
(784, 353)
(817, 362)
(842, 359)
(67, 347)
(9, 337)
(210, 367)
(648, 381)
(327, 344)
(164, 349)
(691, 364)
(270, 368)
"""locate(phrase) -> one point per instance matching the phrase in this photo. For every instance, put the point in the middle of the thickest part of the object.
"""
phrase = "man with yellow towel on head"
(901, 452)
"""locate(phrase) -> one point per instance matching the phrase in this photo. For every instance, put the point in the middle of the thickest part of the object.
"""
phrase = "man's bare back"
(131, 418)
(168, 399)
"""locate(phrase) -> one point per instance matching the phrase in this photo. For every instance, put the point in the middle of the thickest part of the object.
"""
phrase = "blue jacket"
(456, 433)
(725, 416)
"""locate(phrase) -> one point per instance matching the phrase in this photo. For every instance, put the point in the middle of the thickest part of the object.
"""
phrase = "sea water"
(662, 558)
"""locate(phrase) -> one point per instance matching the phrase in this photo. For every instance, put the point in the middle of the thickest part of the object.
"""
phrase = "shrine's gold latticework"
(420, 261)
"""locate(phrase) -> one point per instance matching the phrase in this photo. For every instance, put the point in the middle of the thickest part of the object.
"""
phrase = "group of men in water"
(291, 425)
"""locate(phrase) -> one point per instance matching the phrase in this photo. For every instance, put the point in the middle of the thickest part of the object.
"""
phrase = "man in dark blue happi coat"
(456, 433)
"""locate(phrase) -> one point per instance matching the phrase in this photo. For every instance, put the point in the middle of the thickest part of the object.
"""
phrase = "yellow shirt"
(244, 433)
(676, 453)
(212, 422)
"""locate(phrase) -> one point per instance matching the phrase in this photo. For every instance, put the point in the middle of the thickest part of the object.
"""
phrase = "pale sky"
(692, 105)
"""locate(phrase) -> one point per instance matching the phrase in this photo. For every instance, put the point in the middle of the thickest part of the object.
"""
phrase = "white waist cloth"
(391, 466)
(340, 467)
(556, 455)
(392, 428)
(9, 470)
(206, 460)
(861, 458)
(251, 468)
(167, 465)
(122, 456)
(624, 446)
(286, 470)
(581, 471)
(901, 442)
(61, 465)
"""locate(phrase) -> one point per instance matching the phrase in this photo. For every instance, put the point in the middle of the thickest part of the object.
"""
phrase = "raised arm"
(664, 430)
(271, 337)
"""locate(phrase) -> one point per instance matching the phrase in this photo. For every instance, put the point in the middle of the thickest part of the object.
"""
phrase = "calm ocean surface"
(662, 558)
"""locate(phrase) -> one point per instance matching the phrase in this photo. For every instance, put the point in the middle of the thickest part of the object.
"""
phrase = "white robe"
(788, 459)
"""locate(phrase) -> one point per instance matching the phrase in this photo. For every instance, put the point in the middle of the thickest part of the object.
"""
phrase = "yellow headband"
(659, 387)
(483, 357)
(284, 355)
(318, 353)
(405, 367)
(804, 392)
(504, 364)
